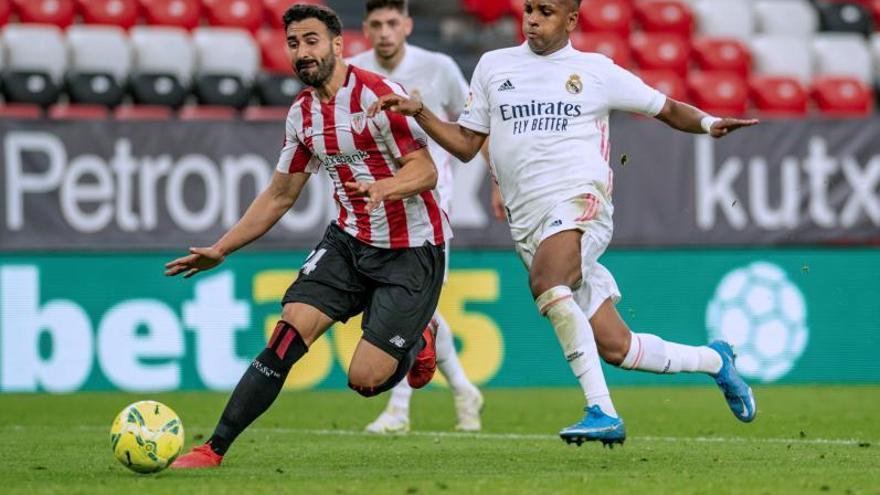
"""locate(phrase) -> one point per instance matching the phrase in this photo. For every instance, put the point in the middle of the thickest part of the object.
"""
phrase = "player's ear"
(572, 20)
(408, 25)
(337, 45)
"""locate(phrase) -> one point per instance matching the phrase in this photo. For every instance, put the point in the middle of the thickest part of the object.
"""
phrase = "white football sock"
(651, 353)
(447, 358)
(400, 396)
(578, 344)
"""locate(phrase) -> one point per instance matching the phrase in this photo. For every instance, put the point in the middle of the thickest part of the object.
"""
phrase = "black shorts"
(396, 289)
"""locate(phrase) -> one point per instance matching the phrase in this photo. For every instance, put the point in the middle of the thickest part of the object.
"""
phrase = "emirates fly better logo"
(764, 316)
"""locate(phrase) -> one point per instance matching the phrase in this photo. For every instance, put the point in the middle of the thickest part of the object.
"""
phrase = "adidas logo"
(556, 223)
(507, 86)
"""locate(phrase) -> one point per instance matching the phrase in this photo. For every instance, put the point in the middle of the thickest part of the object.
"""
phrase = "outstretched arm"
(268, 207)
(687, 118)
(463, 143)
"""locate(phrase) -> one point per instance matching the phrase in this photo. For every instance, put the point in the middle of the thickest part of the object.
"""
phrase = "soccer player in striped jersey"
(437, 80)
(546, 106)
(384, 256)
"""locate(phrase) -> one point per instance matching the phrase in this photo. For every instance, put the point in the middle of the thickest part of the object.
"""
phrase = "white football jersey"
(436, 79)
(548, 120)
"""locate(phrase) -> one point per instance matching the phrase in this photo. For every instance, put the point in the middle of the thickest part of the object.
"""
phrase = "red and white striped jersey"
(352, 147)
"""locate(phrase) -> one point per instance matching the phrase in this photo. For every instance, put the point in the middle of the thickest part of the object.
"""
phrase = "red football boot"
(198, 458)
(426, 361)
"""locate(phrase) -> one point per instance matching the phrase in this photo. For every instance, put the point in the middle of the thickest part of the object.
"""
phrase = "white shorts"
(591, 214)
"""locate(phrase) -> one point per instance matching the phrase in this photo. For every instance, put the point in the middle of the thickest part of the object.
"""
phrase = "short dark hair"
(326, 15)
(398, 5)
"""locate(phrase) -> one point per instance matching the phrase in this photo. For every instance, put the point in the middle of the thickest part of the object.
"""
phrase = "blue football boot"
(738, 394)
(596, 426)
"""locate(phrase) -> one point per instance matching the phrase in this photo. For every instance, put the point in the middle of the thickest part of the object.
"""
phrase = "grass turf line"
(682, 440)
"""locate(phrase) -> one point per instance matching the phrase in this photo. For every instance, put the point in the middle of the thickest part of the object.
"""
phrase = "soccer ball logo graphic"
(763, 315)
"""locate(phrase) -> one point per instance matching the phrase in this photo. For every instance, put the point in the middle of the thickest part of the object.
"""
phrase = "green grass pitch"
(681, 440)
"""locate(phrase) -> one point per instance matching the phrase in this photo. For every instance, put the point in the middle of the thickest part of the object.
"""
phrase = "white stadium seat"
(725, 18)
(33, 47)
(228, 62)
(842, 54)
(875, 50)
(100, 49)
(786, 17)
(165, 61)
(776, 55)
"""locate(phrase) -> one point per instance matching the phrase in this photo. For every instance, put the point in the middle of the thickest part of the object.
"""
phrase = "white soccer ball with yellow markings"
(147, 436)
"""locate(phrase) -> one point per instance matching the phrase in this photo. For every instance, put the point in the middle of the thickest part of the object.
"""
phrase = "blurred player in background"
(435, 79)
(546, 106)
(383, 256)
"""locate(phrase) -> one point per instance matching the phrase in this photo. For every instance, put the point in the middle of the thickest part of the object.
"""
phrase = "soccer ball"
(759, 311)
(146, 436)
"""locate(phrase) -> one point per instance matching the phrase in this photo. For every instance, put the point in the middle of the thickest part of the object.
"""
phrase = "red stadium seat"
(720, 93)
(667, 82)
(20, 111)
(265, 114)
(78, 112)
(275, 9)
(778, 95)
(487, 11)
(354, 42)
(728, 54)
(661, 51)
(142, 112)
(5, 11)
(122, 13)
(206, 112)
(273, 49)
(178, 13)
(57, 12)
(875, 11)
(842, 96)
(612, 45)
(667, 16)
(606, 15)
(244, 14)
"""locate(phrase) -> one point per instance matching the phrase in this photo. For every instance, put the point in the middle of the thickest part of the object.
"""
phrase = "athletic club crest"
(574, 84)
(358, 122)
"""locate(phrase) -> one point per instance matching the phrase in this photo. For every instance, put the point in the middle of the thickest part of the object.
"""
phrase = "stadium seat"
(875, 12)
(606, 15)
(778, 96)
(720, 93)
(845, 17)
(35, 64)
(273, 51)
(786, 17)
(5, 11)
(266, 114)
(206, 112)
(100, 63)
(487, 11)
(612, 45)
(661, 51)
(842, 96)
(665, 16)
(667, 82)
(177, 13)
(725, 18)
(843, 54)
(20, 111)
(277, 85)
(165, 62)
(78, 112)
(57, 12)
(875, 51)
(275, 9)
(354, 42)
(228, 63)
(712, 54)
(244, 14)
(122, 13)
(142, 112)
(783, 56)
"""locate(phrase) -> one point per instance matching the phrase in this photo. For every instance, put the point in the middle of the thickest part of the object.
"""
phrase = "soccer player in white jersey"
(546, 106)
(383, 255)
(437, 80)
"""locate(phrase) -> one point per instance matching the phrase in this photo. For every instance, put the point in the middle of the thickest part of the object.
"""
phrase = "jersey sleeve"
(476, 113)
(401, 134)
(455, 87)
(295, 156)
(627, 92)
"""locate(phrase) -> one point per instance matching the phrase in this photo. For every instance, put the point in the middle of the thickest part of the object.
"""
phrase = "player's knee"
(613, 350)
(362, 379)
(540, 283)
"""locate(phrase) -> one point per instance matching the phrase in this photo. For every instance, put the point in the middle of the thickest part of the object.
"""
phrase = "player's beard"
(319, 75)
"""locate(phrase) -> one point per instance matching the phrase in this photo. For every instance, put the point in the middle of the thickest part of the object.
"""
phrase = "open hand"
(199, 260)
(375, 192)
(727, 125)
(396, 103)
(497, 203)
